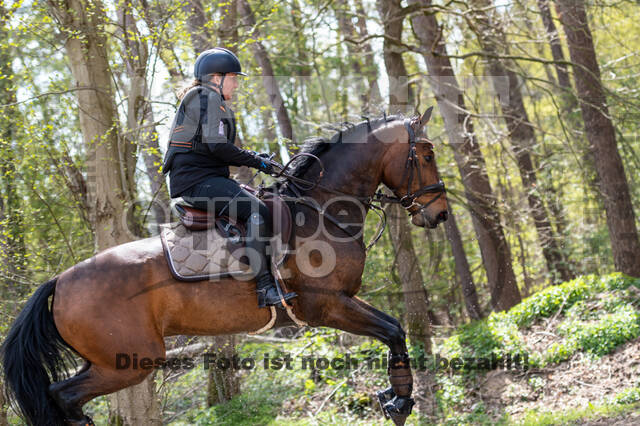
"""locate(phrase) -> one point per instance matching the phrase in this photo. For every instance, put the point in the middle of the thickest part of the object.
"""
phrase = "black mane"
(318, 145)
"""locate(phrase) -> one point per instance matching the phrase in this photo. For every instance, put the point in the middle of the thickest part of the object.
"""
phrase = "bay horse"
(124, 299)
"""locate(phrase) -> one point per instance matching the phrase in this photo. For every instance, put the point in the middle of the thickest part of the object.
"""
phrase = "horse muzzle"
(426, 220)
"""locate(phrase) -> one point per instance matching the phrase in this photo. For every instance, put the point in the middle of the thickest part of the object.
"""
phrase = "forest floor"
(584, 386)
(581, 339)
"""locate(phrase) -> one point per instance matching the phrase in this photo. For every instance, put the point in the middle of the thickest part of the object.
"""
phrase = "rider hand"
(264, 155)
(265, 166)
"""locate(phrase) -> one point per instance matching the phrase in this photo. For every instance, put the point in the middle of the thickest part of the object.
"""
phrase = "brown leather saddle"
(199, 220)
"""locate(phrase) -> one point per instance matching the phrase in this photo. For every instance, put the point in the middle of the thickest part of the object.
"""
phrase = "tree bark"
(416, 299)
(562, 72)
(197, 24)
(494, 248)
(348, 31)
(492, 39)
(152, 16)
(3, 408)
(141, 129)
(268, 79)
(108, 188)
(370, 68)
(400, 93)
(136, 405)
(12, 244)
(223, 384)
(109, 181)
(614, 188)
(463, 272)
(228, 29)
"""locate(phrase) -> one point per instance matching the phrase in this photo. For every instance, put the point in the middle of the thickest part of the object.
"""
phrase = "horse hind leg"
(90, 382)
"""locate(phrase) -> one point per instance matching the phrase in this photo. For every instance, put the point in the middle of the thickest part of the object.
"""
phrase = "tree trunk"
(302, 68)
(109, 159)
(494, 248)
(521, 134)
(370, 68)
(268, 79)
(141, 129)
(197, 25)
(152, 16)
(601, 135)
(223, 384)
(560, 66)
(400, 93)
(462, 268)
(136, 405)
(416, 299)
(107, 174)
(348, 31)
(3, 408)
(12, 244)
(228, 28)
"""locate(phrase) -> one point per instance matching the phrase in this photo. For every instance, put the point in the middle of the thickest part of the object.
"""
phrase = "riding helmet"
(216, 60)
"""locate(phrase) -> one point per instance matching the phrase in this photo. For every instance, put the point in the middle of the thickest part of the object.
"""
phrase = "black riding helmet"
(216, 60)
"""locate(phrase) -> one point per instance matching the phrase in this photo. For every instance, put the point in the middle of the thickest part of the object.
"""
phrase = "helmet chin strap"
(219, 86)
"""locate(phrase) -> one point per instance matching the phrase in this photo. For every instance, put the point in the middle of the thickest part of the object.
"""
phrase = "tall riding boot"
(257, 241)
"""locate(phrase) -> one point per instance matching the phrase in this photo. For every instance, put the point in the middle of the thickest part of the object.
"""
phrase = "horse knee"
(397, 335)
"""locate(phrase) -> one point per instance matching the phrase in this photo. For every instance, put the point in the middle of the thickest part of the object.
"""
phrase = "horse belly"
(125, 299)
(212, 307)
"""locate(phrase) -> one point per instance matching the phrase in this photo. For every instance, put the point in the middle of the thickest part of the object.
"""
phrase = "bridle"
(408, 201)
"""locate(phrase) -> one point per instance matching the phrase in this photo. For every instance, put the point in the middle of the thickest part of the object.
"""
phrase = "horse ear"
(425, 117)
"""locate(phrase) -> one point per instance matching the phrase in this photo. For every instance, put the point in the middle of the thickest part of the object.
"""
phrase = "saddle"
(203, 246)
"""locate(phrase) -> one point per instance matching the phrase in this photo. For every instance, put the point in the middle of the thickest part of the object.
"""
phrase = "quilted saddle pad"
(201, 255)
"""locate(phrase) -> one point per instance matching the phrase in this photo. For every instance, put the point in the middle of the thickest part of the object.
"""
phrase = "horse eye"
(428, 157)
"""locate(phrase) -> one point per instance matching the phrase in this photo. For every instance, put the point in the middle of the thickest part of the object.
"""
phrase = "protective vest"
(200, 106)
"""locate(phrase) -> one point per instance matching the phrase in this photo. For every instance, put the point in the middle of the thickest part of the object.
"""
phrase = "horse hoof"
(398, 409)
(384, 397)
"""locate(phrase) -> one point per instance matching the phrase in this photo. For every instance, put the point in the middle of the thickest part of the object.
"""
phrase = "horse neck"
(353, 169)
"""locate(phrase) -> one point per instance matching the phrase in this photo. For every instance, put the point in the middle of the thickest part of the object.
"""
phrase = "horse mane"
(347, 132)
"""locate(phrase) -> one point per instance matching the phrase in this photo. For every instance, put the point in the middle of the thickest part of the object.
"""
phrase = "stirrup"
(269, 296)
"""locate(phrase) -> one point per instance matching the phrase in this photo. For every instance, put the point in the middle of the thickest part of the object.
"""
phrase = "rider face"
(229, 85)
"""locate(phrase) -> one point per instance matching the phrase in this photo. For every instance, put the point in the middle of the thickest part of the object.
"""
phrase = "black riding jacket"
(202, 141)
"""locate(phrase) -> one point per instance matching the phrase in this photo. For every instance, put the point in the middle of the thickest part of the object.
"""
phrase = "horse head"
(410, 170)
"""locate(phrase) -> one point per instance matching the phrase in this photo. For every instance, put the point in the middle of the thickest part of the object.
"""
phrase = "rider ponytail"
(184, 91)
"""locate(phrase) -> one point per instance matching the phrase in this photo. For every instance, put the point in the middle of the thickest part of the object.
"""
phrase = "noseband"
(411, 165)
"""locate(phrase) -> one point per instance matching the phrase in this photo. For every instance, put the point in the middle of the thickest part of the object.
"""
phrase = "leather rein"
(298, 185)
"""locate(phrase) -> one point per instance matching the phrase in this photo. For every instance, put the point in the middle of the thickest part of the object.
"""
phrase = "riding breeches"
(225, 196)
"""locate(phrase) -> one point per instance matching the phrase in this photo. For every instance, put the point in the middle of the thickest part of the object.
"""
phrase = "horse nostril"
(442, 216)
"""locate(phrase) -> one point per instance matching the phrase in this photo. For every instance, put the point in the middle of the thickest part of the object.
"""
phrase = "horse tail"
(33, 356)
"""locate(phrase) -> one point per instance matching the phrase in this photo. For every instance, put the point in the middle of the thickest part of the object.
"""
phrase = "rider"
(201, 149)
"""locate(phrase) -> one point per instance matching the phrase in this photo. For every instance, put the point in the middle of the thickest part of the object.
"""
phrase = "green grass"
(598, 337)
(576, 416)
(600, 316)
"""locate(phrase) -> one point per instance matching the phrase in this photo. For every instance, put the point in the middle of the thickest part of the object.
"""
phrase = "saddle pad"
(200, 255)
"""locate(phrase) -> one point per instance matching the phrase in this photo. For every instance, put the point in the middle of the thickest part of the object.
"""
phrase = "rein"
(298, 185)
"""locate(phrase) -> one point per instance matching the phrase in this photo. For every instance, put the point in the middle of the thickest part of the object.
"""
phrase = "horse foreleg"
(358, 317)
